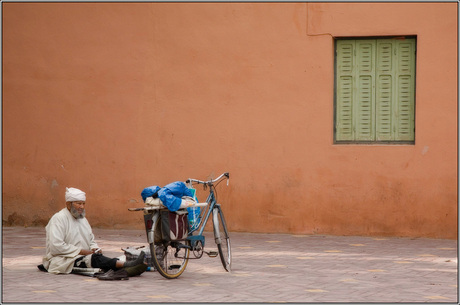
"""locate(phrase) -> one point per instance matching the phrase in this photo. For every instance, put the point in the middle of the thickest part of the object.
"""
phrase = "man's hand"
(97, 250)
(85, 252)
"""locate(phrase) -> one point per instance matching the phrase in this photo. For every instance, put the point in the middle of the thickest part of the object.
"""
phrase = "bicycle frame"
(211, 200)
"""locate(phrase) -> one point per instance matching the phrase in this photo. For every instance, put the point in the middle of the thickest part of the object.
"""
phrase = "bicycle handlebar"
(209, 182)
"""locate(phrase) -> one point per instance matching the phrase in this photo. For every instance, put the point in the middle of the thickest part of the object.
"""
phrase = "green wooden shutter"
(405, 75)
(365, 96)
(344, 91)
(385, 90)
(395, 90)
(375, 90)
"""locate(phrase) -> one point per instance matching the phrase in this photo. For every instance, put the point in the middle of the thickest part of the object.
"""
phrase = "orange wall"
(114, 97)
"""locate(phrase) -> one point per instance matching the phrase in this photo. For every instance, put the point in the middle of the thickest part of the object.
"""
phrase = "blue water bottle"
(194, 213)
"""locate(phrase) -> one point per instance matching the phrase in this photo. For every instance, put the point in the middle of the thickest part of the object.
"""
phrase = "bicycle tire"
(169, 259)
(222, 238)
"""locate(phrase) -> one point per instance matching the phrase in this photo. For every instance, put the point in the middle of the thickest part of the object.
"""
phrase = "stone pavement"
(267, 268)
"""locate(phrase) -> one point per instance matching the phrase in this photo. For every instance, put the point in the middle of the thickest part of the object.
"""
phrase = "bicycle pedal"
(212, 253)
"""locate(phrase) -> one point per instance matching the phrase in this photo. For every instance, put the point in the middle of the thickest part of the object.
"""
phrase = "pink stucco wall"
(114, 97)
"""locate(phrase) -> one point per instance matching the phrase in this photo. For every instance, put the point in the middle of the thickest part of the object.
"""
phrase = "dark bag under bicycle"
(173, 226)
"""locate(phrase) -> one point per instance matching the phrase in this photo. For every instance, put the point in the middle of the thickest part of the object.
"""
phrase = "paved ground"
(266, 268)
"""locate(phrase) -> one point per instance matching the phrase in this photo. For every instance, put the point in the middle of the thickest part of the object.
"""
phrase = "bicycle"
(170, 258)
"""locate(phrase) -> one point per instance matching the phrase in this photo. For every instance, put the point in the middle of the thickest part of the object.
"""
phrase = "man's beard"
(75, 212)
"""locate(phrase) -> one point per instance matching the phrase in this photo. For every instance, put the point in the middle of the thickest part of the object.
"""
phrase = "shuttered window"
(375, 90)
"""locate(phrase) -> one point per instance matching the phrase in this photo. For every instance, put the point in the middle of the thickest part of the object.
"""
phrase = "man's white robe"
(65, 237)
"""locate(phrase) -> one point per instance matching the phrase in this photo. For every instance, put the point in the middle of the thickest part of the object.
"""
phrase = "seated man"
(70, 243)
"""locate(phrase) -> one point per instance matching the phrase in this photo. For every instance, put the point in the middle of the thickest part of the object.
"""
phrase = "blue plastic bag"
(149, 192)
(171, 195)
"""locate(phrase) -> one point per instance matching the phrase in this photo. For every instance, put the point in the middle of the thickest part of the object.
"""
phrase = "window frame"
(335, 101)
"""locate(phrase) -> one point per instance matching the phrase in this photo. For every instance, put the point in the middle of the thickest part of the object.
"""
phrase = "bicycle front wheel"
(222, 238)
(169, 257)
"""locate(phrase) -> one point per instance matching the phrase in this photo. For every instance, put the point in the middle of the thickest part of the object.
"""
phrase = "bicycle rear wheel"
(169, 257)
(222, 238)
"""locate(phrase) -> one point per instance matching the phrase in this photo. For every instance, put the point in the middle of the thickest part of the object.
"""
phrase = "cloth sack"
(132, 253)
(174, 226)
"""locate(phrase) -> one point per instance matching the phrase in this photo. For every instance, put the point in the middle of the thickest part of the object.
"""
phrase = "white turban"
(73, 194)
